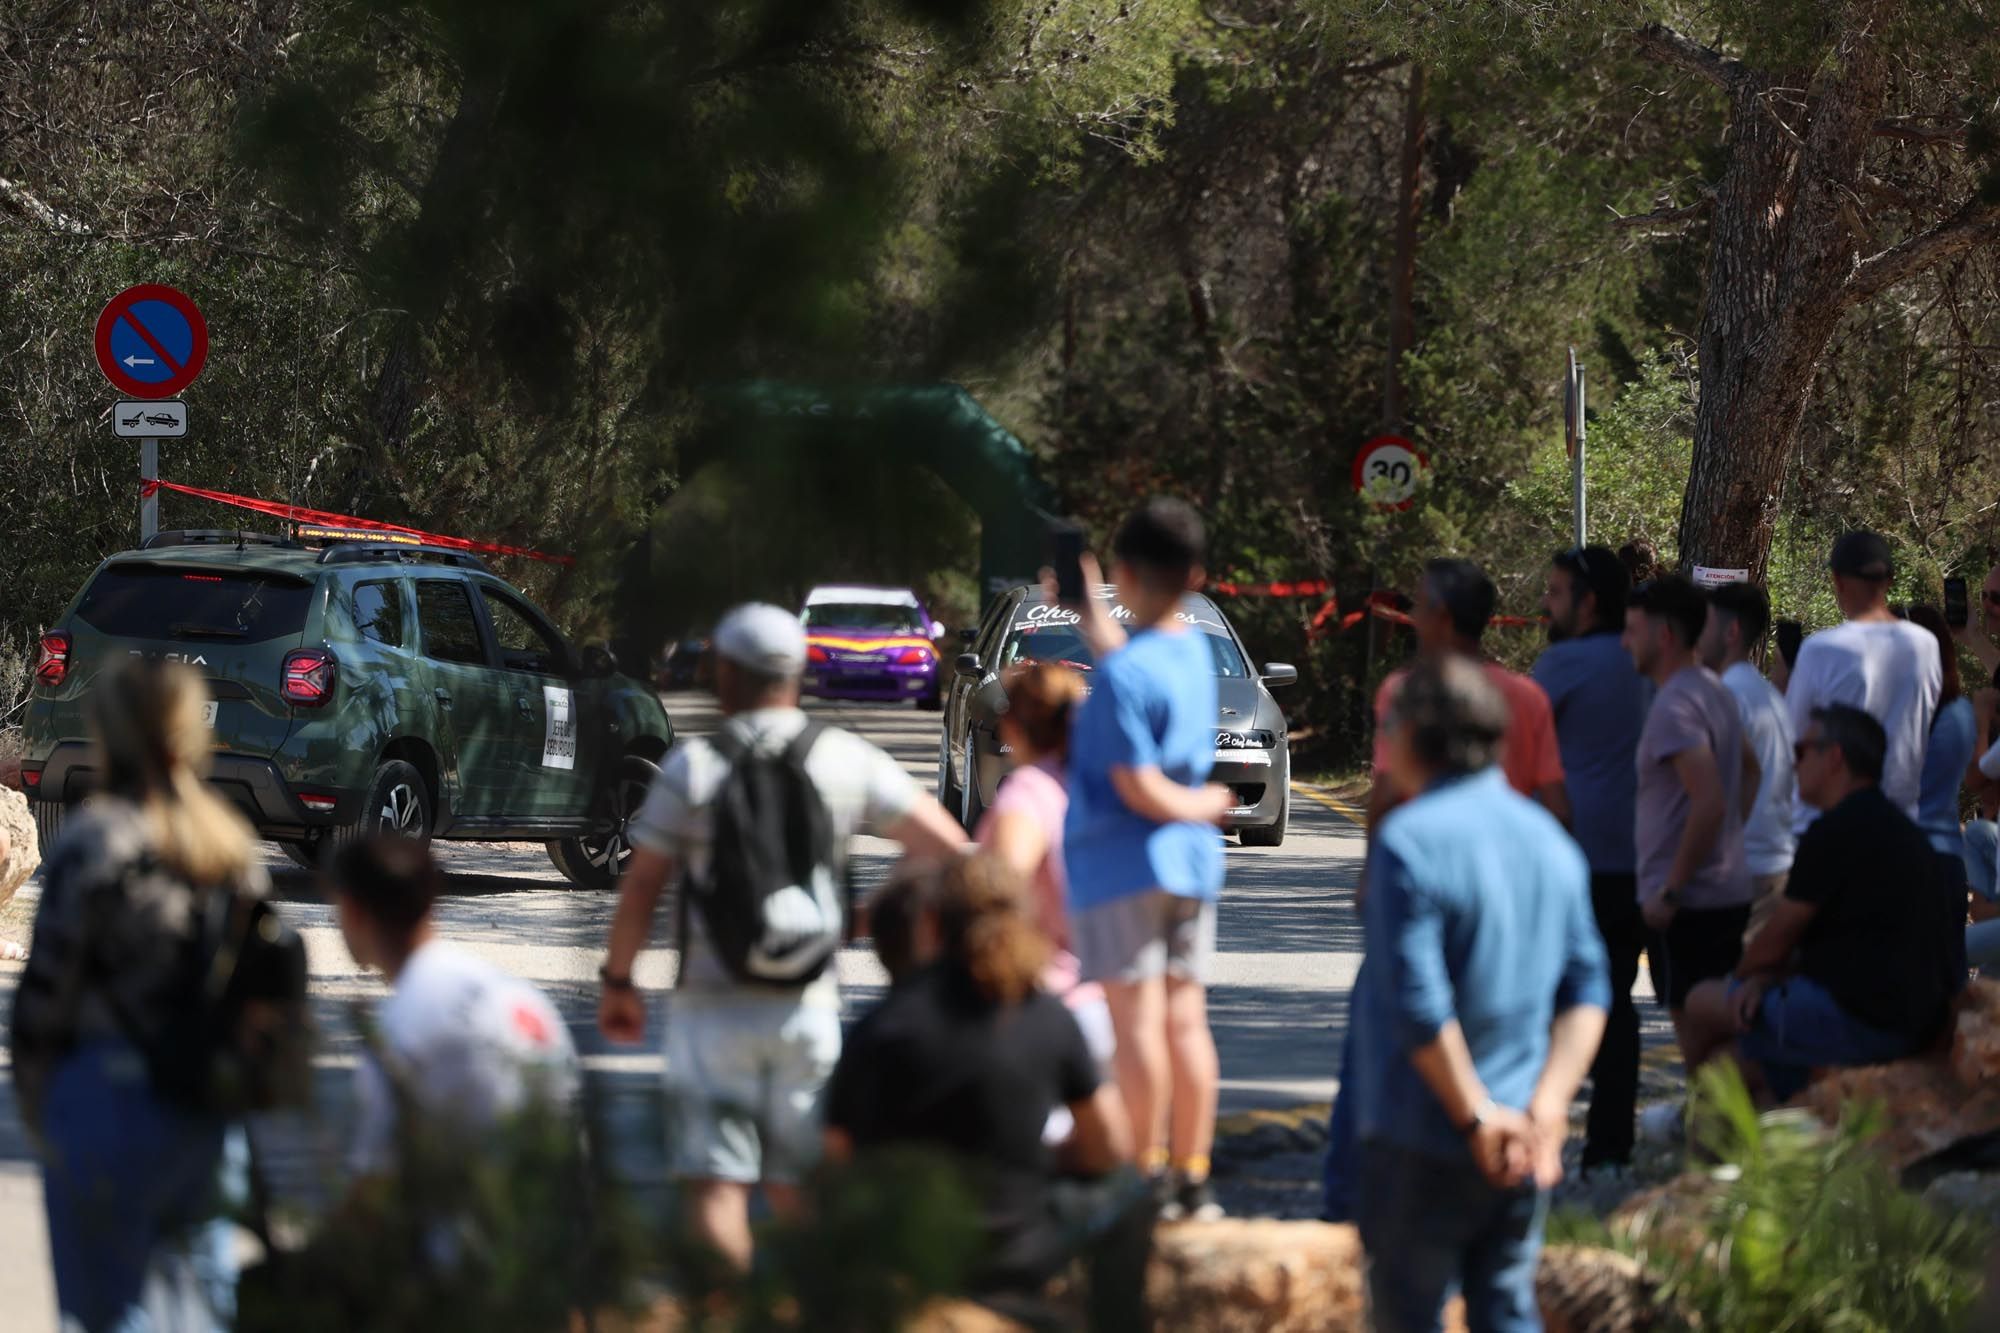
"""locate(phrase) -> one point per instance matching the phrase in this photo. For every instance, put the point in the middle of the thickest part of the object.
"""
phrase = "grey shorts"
(1145, 935)
(744, 1080)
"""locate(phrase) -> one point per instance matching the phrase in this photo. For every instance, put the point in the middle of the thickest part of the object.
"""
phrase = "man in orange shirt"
(1454, 605)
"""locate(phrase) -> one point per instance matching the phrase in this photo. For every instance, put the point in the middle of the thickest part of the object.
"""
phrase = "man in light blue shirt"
(1479, 1012)
(1142, 849)
(1600, 703)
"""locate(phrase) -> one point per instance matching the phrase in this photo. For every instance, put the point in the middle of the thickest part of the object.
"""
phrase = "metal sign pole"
(1573, 433)
(149, 504)
(1576, 478)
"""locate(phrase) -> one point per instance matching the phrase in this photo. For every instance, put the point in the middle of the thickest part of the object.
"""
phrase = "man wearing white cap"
(753, 1030)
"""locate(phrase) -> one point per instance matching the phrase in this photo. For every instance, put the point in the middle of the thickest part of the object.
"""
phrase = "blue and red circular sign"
(151, 341)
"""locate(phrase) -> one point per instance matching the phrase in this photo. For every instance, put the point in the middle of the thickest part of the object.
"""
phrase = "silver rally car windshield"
(1045, 633)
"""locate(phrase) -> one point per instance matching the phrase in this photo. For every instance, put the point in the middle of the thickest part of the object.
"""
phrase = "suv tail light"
(52, 666)
(308, 678)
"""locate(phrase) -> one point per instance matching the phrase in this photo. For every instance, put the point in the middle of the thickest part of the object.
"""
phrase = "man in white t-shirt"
(747, 1063)
(1739, 617)
(463, 1042)
(1884, 666)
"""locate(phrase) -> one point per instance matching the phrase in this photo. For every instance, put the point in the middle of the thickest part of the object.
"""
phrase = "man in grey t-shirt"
(747, 1064)
(1697, 779)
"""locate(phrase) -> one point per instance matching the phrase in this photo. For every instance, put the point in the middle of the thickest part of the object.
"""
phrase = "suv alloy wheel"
(596, 859)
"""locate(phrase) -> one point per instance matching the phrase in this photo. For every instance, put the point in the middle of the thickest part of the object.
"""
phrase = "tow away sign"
(163, 419)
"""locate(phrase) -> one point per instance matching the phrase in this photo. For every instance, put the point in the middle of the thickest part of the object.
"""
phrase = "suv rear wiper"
(186, 630)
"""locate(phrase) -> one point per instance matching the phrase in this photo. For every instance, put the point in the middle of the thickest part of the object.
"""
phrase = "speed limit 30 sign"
(1387, 471)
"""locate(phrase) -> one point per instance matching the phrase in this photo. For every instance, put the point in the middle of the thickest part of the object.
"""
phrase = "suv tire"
(398, 804)
(49, 824)
(596, 859)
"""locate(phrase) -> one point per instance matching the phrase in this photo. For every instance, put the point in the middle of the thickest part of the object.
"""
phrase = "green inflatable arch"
(936, 426)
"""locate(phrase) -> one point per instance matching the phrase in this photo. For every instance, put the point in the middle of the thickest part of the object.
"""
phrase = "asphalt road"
(1288, 947)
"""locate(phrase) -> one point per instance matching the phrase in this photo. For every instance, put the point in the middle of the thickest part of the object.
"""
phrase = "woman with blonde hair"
(968, 1057)
(130, 1171)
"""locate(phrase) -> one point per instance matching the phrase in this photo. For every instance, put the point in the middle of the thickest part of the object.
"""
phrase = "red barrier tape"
(1301, 588)
(297, 514)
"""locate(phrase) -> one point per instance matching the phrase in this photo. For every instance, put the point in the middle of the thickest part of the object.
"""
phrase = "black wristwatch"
(613, 982)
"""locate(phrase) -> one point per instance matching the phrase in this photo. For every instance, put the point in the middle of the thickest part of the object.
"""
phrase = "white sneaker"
(1663, 1122)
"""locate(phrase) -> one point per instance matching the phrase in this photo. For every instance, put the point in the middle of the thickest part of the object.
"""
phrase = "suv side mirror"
(1277, 675)
(598, 660)
(968, 666)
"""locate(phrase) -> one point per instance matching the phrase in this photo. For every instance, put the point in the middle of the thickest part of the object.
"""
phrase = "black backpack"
(771, 900)
(234, 1034)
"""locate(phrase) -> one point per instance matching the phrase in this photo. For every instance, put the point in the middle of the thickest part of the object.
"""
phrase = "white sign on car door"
(559, 744)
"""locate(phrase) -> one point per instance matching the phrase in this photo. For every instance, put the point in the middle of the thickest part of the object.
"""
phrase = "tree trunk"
(441, 225)
(1785, 242)
(1409, 207)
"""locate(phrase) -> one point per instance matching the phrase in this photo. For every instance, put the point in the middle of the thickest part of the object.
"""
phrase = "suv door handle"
(521, 702)
(443, 695)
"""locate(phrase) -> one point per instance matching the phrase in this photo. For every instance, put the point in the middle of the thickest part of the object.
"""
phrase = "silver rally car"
(1252, 756)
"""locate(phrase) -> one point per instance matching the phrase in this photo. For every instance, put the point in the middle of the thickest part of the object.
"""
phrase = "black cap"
(1862, 555)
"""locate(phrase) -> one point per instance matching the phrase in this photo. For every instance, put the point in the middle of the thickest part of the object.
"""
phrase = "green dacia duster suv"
(358, 688)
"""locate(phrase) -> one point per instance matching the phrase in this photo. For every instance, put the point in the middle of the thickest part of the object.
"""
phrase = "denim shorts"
(1800, 1027)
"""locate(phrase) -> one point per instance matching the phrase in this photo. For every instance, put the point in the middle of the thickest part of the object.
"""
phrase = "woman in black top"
(969, 1056)
(129, 1176)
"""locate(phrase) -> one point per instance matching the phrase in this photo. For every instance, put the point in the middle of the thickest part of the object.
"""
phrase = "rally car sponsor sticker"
(1243, 756)
(559, 746)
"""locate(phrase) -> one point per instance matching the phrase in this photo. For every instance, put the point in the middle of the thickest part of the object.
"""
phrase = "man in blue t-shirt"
(1142, 848)
(1600, 703)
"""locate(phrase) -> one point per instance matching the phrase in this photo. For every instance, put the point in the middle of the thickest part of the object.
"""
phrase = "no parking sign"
(1388, 470)
(151, 341)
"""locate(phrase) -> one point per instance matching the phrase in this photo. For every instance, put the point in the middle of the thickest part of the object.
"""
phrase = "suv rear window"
(155, 602)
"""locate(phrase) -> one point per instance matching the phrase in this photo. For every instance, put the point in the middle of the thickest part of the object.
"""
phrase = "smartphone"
(1956, 610)
(1066, 557)
(1790, 635)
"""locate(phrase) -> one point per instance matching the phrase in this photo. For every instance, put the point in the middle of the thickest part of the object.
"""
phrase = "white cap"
(767, 639)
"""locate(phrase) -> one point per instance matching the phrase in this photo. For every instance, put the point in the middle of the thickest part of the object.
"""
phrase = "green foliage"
(507, 1232)
(881, 1238)
(1807, 1231)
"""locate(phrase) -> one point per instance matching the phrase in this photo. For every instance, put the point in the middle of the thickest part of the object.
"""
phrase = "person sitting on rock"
(1859, 961)
(967, 1056)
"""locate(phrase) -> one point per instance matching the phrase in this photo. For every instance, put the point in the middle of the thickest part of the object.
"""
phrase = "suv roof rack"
(363, 553)
(210, 537)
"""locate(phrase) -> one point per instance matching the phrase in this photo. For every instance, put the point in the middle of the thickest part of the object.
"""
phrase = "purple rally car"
(870, 643)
